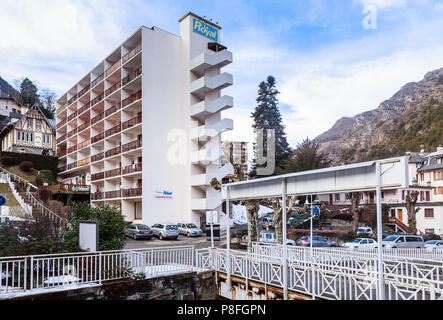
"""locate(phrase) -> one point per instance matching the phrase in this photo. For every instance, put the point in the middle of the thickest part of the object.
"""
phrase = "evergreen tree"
(267, 116)
(306, 157)
(28, 92)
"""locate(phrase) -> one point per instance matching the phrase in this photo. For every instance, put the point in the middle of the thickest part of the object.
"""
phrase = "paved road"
(198, 242)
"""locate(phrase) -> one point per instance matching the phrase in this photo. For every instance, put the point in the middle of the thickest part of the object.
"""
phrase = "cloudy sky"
(326, 62)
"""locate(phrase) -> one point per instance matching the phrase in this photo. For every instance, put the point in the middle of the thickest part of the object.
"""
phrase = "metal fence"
(330, 273)
(31, 273)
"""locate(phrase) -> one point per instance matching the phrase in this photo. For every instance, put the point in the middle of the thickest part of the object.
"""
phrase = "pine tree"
(306, 157)
(28, 92)
(267, 116)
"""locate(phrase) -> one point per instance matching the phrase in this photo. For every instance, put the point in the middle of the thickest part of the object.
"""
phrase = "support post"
(228, 244)
(381, 285)
(285, 249)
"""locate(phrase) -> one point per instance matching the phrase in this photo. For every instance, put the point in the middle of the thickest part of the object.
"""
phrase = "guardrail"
(29, 274)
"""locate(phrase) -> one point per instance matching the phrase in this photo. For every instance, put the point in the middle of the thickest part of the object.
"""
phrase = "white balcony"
(206, 84)
(203, 133)
(207, 107)
(209, 59)
(211, 203)
(212, 171)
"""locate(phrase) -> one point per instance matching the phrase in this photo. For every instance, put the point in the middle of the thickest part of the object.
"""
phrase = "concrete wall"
(188, 286)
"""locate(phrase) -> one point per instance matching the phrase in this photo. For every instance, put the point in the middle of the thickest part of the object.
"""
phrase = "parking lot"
(198, 242)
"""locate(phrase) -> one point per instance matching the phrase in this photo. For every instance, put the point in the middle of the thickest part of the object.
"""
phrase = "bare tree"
(355, 198)
(278, 215)
(252, 207)
(48, 98)
(411, 202)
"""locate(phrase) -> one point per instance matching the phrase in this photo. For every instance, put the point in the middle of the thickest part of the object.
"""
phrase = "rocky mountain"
(6, 89)
(410, 120)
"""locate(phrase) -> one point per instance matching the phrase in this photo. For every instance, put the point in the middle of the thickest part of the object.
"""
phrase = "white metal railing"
(332, 273)
(31, 273)
(11, 178)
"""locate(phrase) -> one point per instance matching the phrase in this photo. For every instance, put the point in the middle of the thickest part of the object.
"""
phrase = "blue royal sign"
(205, 29)
(2, 200)
(316, 211)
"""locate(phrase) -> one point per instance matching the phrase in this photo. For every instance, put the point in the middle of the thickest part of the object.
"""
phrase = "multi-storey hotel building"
(143, 128)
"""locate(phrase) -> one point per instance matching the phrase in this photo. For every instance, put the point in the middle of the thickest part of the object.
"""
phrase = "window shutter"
(435, 191)
(435, 175)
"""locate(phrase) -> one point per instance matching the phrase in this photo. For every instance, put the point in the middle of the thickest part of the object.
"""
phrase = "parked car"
(434, 244)
(189, 229)
(318, 241)
(367, 231)
(428, 237)
(138, 231)
(362, 243)
(271, 238)
(402, 241)
(165, 231)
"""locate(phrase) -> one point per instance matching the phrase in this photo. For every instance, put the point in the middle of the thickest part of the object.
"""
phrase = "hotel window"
(38, 124)
(18, 136)
(438, 175)
(30, 123)
(429, 213)
(337, 197)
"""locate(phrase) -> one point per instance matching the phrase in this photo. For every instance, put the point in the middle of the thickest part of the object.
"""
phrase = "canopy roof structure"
(348, 178)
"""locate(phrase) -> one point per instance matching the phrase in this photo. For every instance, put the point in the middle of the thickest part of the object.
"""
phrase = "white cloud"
(383, 4)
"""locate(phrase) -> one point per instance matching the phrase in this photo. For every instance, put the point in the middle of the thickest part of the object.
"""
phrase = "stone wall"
(187, 286)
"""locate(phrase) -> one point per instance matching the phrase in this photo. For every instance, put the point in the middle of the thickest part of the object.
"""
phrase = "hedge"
(39, 162)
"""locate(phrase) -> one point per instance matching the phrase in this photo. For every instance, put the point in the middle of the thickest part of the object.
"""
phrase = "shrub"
(39, 181)
(7, 160)
(111, 225)
(26, 166)
(44, 194)
(48, 176)
(40, 162)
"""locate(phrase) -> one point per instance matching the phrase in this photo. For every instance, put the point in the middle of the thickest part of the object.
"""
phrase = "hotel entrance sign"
(204, 29)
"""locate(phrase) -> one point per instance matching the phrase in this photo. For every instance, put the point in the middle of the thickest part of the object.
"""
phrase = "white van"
(403, 241)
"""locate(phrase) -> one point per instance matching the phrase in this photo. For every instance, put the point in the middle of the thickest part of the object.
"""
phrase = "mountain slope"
(6, 89)
(410, 120)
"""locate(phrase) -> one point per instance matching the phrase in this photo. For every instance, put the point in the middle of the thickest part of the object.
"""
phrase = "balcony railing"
(84, 144)
(68, 167)
(97, 80)
(84, 90)
(97, 99)
(132, 168)
(134, 192)
(113, 109)
(113, 173)
(61, 152)
(72, 149)
(84, 126)
(136, 96)
(97, 176)
(71, 101)
(131, 53)
(132, 122)
(62, 138)
(84, 162)
(98, 137)
(113, 194)
(114, 130)
(131, 145)
(114, 67)
(72, 116)
(131, 76)
(62, 123)
(113, 88)
(97, 196)
(69, 188)
(113, 152)
(60, 109)
(97, 118)
(84, 108)
(98, 157)
(72, 132)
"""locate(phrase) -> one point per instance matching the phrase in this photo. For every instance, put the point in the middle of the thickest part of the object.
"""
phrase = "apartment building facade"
(143, 128)
(431, 173)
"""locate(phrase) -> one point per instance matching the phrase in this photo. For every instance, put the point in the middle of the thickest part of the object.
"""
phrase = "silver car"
(189, 229)
(165, 231)
(317, 242)
(402, 241)
(434, 244)
(138, 231)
